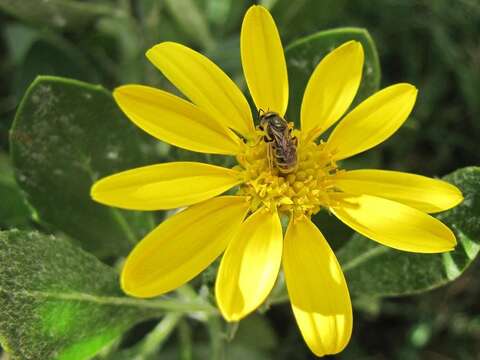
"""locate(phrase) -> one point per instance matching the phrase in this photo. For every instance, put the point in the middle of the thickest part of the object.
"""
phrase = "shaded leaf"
(150, 346)
(191, 19)
(304, 54)
(19, 38)
(51, 56)
(227, 57)
(13, 210)
(253, 328)
(59, 302)
(62, 14)
(305, 16)
(66, 135)
(225, 15)
(375, 270)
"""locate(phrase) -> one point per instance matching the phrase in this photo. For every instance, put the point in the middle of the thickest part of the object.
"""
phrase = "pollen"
(305, 191)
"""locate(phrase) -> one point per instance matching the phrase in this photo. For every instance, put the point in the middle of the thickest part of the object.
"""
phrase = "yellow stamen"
(302, 192)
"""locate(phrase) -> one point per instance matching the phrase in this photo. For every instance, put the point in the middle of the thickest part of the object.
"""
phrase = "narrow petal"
(174, 120)
(373, 121)
(331, 88)
(250, 265)
(164, 186)
(263, 61)
(317, 289)
(182, 246)
(420, 192)
(204, 83)
(393, 224)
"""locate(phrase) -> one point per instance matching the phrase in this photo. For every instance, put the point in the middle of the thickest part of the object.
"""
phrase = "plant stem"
(217, 337)
(185, 336)
(154, 341)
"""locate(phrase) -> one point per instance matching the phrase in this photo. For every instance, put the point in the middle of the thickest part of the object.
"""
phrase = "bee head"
(273, 120)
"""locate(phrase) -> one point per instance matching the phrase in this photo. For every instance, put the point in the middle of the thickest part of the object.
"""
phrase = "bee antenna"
(260, 112)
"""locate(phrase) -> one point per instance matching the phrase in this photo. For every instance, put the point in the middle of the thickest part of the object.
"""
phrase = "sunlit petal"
(317, 289)
(174, 120)
(393, 224)
(250, 265)
(263, 61)
(164, 186)
(182, 246)
(373, 121)
(204, 83)
(420, 192)
(331, 88)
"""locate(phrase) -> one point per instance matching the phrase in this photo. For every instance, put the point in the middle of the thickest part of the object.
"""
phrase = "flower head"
(281, 171)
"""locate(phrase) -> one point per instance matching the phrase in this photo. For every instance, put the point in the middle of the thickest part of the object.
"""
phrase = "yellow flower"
(387, 206)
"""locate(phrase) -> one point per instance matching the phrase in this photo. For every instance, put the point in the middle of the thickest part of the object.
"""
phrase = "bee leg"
(270, 158)
(290, 128)
(261, 135)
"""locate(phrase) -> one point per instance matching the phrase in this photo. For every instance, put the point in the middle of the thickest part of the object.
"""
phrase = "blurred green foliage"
(434, 44)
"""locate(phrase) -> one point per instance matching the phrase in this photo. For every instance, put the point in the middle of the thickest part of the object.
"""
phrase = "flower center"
(304, 190)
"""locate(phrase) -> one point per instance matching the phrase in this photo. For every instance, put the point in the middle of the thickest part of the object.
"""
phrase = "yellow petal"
(396, 225)
(317, 289)
(373, 121)
(204, 83)
(419, 192)
(174, 120)
(263, 61)
(182, 246)
(250, 265)
(164, 186)
(331, 88)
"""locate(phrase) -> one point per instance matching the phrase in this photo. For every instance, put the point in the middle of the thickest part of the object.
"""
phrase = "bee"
(282, 145)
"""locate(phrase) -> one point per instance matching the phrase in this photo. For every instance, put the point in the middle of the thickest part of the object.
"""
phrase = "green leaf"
(13, 210)
(52, 299)
(224, 16)
(59, 302)
(62, 14)
(149, 347)
(19, 38)
(252, 329)
(67, 134)
(49, 54)
(304, 54)
(375, 270)
(191, 19)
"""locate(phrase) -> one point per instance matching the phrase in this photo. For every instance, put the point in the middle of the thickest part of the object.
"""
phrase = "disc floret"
(302, 192)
